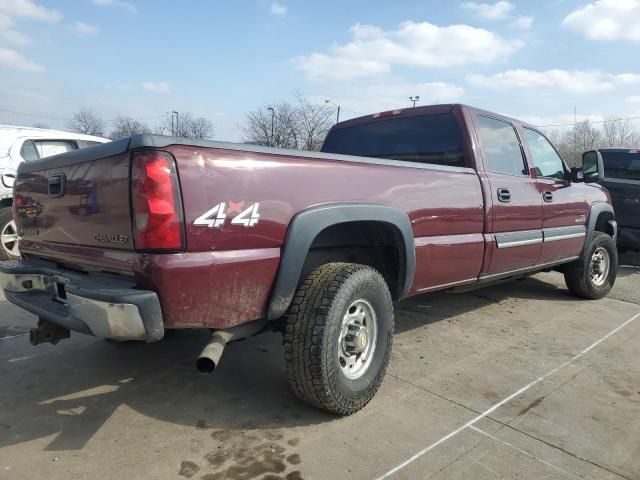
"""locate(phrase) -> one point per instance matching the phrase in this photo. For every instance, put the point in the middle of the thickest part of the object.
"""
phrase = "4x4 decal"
(216, 217)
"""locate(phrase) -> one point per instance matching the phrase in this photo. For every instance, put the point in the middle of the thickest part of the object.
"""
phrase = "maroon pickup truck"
(240, 239)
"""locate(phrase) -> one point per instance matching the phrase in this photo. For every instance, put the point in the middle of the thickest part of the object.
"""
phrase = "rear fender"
(306, 226)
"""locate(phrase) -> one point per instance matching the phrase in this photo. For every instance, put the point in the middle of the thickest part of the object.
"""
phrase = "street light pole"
(338, 115)
(177, 115)
(414, 99)
(273, 114)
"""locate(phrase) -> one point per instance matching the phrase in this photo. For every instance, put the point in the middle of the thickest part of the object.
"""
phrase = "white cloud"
(15, 60)
(572, 81)
(373, 50)
(522, 22)
(85, 29)
(156, 87)
(278, 9)
(28, 9)
(607, 20)
(14, 37)
(23, 9)
(633, 99)
(131, 8)
(490, 11)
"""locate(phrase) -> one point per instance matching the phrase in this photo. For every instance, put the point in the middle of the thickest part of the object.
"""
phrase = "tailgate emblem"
(111, 238)
(215, 217)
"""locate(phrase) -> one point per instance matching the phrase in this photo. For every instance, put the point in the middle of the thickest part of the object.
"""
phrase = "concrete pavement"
(518, 380)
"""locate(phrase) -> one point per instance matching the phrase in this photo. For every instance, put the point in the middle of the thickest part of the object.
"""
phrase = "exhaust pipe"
(209, 359)
(210, 356)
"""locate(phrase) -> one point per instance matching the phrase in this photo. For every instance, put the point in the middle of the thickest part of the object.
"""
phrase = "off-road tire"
(313, 325)
(6, 215)
(577, 273)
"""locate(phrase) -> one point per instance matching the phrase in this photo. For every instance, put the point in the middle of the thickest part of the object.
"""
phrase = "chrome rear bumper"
(95, 304)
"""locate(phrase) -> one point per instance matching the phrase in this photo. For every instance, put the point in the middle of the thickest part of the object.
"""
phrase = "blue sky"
(221, 58)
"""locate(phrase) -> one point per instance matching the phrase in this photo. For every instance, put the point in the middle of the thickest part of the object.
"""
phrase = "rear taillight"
(156, 203)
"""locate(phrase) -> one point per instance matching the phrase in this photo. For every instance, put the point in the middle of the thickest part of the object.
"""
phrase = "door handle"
(547, 196)
(504, 195)
(57, 185)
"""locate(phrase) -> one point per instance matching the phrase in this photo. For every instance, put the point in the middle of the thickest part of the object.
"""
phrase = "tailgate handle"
(56, 185)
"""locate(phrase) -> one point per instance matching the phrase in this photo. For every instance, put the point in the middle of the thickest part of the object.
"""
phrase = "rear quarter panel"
(231, 279)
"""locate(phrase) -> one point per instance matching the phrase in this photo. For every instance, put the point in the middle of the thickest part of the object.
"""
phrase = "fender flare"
(594, 212)
(305, 227)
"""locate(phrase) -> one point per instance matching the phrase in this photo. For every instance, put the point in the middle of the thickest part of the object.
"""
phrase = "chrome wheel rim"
(10, 240)
(357, 340)
(599, 266)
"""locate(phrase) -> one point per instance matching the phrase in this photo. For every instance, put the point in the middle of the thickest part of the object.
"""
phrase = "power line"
(50, 117)
(617, 119)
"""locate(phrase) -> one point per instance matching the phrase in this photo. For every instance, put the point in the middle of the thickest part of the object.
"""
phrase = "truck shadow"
(73, 389)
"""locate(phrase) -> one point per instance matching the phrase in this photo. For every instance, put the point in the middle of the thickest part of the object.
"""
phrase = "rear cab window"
(429, 139)
(501, 147)
(622, 165)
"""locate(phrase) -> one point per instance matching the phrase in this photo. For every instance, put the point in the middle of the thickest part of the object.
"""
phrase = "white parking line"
(503, 401)
(14, 336)
(524, 452)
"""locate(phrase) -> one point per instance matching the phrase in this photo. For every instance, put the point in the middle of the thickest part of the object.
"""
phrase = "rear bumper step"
(94, 304)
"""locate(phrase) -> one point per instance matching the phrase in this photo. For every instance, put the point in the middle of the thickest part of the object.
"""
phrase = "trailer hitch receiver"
(47, 332)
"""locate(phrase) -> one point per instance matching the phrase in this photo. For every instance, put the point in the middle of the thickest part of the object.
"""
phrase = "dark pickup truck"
(240, 239)
(618, 169)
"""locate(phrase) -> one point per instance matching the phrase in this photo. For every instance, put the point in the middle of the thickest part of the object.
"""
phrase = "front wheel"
(339, 332)
(8, 236)
(592, 276)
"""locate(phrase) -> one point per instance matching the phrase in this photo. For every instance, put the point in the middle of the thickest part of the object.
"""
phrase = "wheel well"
(372, 243)
(6, 202)
(603, 223)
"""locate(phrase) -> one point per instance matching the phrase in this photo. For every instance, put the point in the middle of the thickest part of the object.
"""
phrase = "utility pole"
(273, 114)
(414, 99)
(338, 115)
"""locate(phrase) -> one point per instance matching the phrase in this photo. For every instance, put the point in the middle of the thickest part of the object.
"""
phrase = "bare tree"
(124, 127)
(200, 128)
(188, 126)
(313, 122)
(303, 125)
(258, 126)
(87, 122)
(617, 132)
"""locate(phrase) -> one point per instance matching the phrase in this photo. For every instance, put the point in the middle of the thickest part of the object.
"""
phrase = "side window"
(47, 148)
(86, 143)
(501, 147)
(28, 151)
(633, 173)
(548, 163)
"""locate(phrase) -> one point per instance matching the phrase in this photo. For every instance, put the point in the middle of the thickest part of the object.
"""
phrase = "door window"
(501, 147)
(28, 151)
(547, 162)
(47, 148)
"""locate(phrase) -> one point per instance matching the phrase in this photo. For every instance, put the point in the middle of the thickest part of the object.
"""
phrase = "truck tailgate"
(79, 198)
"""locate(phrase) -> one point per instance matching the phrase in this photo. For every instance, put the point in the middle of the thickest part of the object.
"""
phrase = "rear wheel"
(339, 332)
(592, 276)
(8, 235)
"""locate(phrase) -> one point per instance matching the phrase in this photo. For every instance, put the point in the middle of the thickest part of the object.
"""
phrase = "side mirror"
(8, 179)
(592, 166)
(576, 175)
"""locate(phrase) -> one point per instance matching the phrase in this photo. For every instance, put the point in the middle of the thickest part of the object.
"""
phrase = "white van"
(22, 144)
